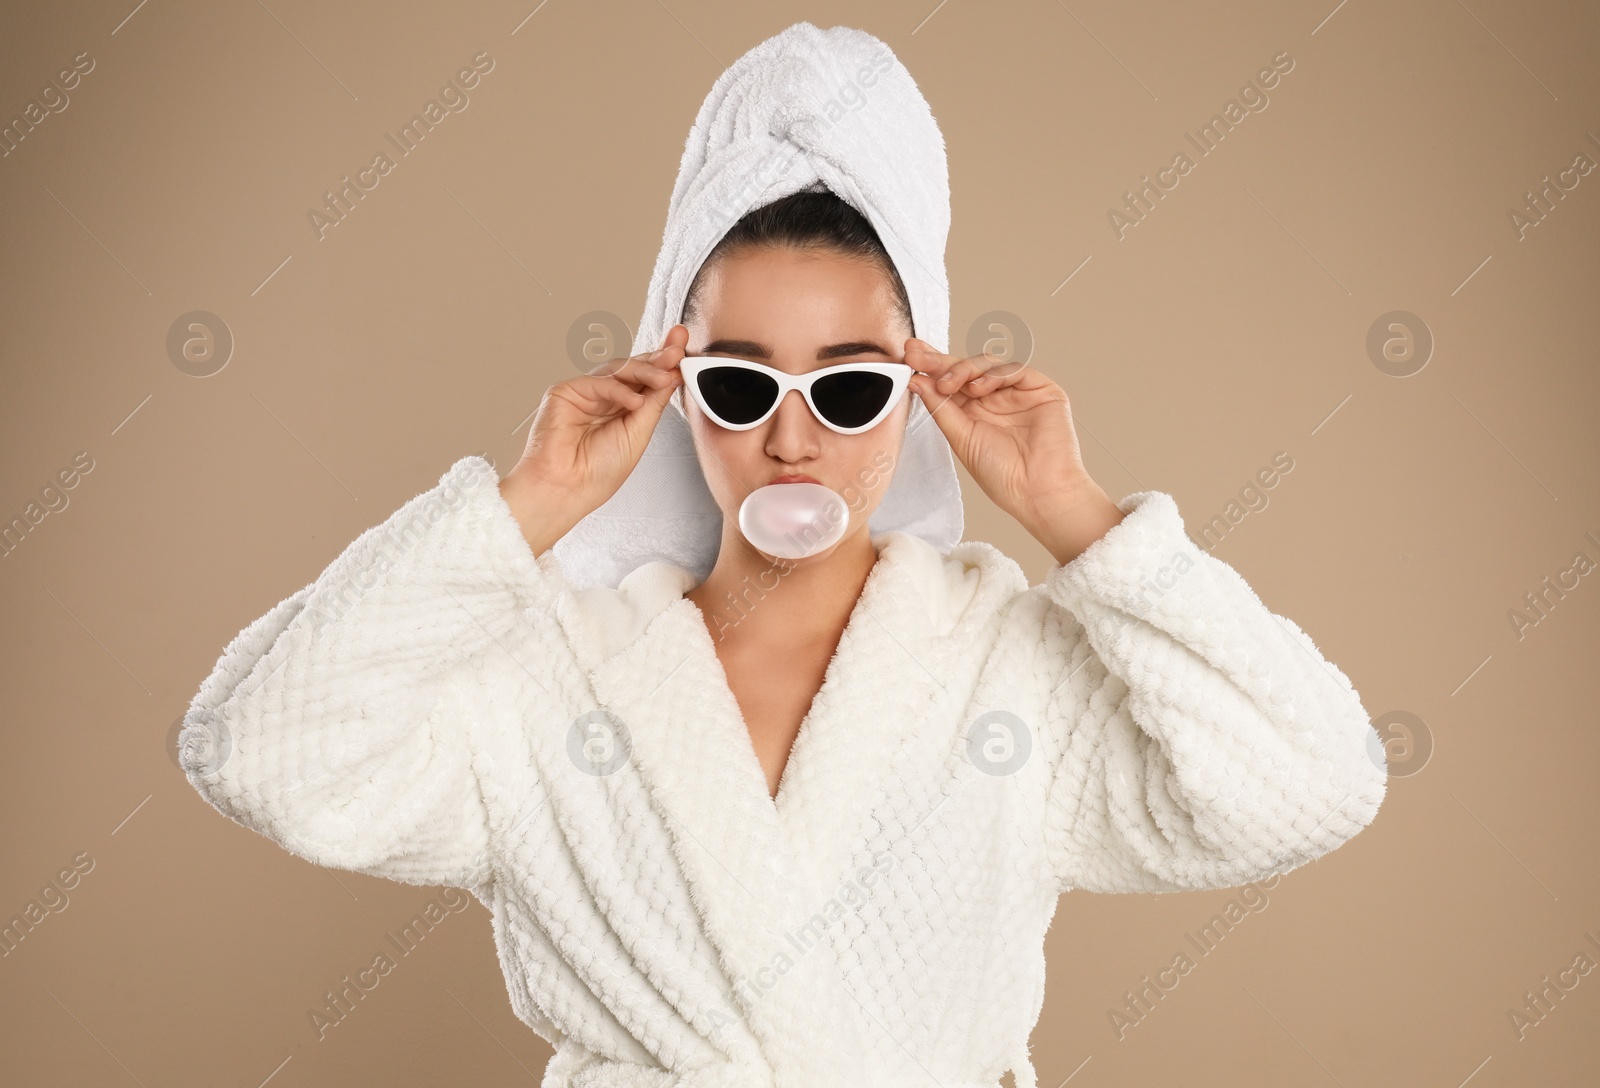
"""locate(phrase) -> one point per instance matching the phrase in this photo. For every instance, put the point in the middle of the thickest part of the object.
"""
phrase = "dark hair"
(806, 220)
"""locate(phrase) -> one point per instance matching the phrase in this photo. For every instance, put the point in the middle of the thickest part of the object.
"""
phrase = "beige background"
(1228, 326)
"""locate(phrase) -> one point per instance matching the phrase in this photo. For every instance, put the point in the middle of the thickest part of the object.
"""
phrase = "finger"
(614, 395)
(674, 346)
(981, 372)
(937, 398)
(655, 370)
(948, 411)
(958, 374)
(644, 416)
(677, 337)
(974, 376)
(602, 398)
(665, 357)
(923, 358)
(951, 373)
(647, 371)
(998, 376)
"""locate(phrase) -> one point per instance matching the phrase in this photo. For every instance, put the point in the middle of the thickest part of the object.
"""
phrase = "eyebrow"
(752, 349)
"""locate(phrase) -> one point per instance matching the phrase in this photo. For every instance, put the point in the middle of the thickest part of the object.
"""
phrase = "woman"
(785, 822)
(802, 284)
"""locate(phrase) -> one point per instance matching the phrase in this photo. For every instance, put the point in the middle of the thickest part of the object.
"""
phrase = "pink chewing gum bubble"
(792, 521)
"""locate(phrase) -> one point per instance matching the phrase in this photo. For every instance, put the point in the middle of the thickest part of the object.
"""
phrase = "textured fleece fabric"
(441, 707)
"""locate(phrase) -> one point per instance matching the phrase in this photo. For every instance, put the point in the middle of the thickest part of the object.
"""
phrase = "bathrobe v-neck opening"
(826, 693)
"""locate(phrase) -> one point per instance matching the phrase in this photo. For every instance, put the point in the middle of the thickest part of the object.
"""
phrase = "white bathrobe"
(441, 707)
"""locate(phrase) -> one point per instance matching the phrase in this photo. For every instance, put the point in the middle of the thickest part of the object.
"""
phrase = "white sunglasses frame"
(692, 365)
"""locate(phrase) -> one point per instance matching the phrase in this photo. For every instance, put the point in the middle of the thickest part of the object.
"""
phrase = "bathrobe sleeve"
(339, 723)
(1201, 740)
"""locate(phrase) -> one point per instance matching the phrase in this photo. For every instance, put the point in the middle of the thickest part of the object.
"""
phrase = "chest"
(775, 688)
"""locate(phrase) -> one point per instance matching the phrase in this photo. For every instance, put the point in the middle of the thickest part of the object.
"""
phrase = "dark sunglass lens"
(852, 398)
(738, 395)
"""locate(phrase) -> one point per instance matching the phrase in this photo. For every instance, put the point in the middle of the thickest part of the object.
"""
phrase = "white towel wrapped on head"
(808, 106)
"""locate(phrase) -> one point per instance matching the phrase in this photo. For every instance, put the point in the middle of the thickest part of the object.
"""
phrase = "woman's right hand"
(587, 435)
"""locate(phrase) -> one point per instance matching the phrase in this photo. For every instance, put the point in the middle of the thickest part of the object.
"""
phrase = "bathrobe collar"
(759, 872)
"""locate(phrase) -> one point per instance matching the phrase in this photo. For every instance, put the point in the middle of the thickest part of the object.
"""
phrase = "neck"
(750, 598)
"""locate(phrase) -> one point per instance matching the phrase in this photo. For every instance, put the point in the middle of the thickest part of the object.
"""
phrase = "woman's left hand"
(1011, 426)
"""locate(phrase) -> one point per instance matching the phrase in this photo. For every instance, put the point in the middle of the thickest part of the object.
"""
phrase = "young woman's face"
(797, 311)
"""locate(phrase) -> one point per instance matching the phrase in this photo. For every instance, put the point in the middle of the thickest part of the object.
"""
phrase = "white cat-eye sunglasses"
(739, 394)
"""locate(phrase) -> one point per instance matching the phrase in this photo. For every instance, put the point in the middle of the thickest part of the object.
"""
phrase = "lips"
(802, 478)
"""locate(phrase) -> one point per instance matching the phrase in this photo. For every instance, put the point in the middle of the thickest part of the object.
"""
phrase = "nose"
(793, 432)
